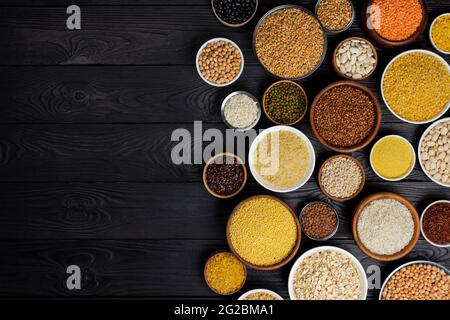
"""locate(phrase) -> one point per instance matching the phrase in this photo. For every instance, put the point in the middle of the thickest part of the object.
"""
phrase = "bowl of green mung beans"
(285, 102)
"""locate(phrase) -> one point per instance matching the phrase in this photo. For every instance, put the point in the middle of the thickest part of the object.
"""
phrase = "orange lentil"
(396, 20)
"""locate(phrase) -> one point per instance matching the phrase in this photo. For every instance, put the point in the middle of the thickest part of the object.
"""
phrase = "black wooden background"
(85, 170)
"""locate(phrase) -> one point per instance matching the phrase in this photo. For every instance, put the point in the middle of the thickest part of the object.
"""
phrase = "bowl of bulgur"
(414, 86)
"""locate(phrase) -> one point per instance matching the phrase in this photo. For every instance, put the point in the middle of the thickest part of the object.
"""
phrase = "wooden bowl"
(230, 24)
(285, 260)
(388, 43)
(336, 68)
(412, 210)
(375, 129)
(211, 161)
(213, 289)
(264, 102)
(361, 186)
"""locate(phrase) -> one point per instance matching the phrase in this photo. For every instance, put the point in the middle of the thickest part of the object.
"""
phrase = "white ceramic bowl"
(361, 272)
(444, 109)
(200, 51)
(222, 110)
(431, 37)
(245, 295)
(251, 159)
(410, 169)
(420, 155)
(405, 265)
(421, 225)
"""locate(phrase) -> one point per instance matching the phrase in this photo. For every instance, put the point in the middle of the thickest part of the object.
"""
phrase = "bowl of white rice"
(386, 226)
(240, 110)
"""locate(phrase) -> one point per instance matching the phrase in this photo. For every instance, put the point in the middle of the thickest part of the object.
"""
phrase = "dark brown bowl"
(264, 102)
(336, 68)
(214, 290)
(375, 129)
(279, 264)
(234, 25)
(412, 210)
(361, 186)
(385, 43)
(212, 160)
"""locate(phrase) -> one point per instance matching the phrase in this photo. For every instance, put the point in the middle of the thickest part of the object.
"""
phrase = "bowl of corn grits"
(281, 159)
(415, 86)
(392, 158)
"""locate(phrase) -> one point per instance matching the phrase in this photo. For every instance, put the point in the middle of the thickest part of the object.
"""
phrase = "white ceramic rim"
(198, 56)
(421, 225)
(380, 296)
(428, 52)
(411, 148)
(260, 137)
(246, 294)
(430, 34)
(420, 155)
(357, 264)
(248, 94)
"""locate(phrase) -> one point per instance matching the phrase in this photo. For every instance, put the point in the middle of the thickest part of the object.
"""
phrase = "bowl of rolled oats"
(327, 273)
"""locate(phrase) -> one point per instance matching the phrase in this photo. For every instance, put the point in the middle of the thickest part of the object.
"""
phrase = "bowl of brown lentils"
(319, 221)
(224, 175)
(219, 62)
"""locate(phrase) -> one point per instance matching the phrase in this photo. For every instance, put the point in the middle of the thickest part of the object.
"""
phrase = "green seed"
(285, 103)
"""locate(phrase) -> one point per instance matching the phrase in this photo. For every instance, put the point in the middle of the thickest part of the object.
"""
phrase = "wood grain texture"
(128, 152)
(156, 211)
(133, 35)
(145, 268)
(148, 94)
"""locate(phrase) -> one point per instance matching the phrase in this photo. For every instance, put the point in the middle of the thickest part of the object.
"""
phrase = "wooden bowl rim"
(361, 168)
(208, 284)
(377, 110)
(264, 102)
(234, 25)
(386, 195)
(288, 258)
(395, 44)
(244, 181)
(338, 71)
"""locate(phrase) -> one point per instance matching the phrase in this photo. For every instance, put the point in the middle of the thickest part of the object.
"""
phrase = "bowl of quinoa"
(414, 86)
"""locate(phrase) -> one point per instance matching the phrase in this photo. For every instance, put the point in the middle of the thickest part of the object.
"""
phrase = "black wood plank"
(149, 94)
(144, 268)
(128, 152)
(155, 211)
(131, 34)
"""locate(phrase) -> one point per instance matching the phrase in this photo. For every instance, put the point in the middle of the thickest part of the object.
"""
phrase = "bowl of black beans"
(234, 13)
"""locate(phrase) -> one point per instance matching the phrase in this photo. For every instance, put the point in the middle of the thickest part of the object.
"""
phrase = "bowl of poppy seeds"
(435, 223)
(234, 13)
(285, 102)
(224, 175)
(319, 221)
(345, 116)
(289, 42)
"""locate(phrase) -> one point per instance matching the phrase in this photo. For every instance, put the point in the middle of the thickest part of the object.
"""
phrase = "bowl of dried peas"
(414, 86)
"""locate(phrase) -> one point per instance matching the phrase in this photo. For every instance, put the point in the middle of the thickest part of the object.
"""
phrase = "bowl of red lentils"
(435, 223)
(417, 280)
(219, 62)
(395, 24)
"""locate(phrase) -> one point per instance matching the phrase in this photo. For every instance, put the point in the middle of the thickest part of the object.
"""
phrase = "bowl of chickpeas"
(219, 62)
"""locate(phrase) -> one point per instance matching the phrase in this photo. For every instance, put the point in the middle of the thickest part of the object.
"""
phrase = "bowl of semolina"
(281, 159)
(415, 86)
